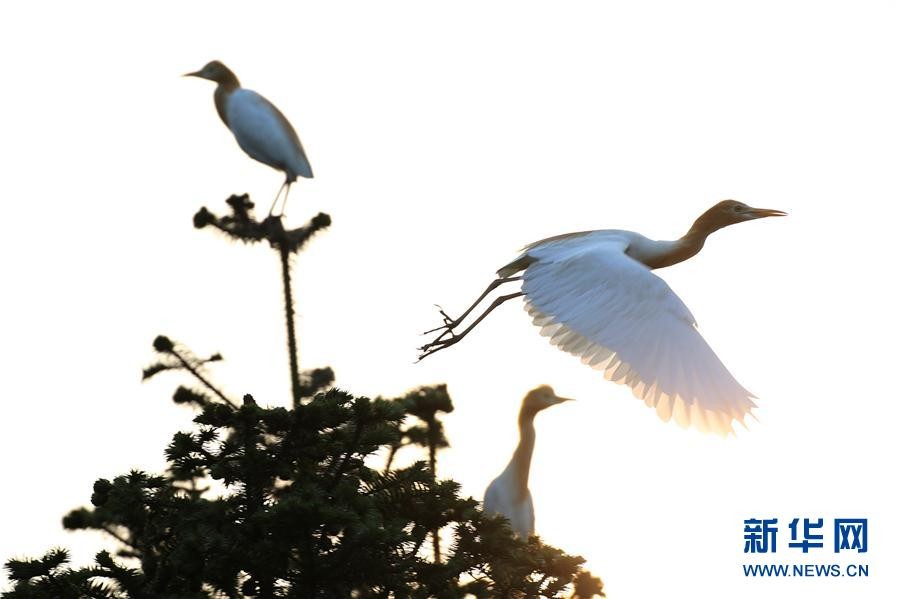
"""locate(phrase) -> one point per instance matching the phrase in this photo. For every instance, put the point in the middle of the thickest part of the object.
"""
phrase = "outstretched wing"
(596, 302)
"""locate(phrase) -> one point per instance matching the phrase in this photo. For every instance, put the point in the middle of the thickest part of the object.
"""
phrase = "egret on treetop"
(508, 494)
(258, 126)
(594, 295)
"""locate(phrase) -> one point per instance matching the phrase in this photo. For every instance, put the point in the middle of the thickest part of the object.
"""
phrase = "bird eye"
(738, 208)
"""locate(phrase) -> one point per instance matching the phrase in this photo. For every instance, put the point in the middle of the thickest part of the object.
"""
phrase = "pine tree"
(274, 502)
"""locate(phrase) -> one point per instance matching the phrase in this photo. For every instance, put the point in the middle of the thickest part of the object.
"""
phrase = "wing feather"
(265, 134)
(595, 302)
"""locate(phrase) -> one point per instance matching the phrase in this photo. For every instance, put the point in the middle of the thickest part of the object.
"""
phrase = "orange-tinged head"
(541, 398)
(216, 71)
(730, 212)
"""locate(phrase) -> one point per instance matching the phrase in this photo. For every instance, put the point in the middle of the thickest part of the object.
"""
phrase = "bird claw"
(448, 325)
(439, 341)
(446, 338)
(447, 321)
(435, 346)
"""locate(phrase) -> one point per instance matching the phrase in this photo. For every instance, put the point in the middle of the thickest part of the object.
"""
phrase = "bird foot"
(437, 344)
(447, 327)
(446, 338)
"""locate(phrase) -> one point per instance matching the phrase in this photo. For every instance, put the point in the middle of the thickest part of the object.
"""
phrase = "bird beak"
(194, 74)
(763, 212)
(561, 399)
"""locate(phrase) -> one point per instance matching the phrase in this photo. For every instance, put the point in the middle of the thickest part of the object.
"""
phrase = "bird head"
(214, 71)
(541, 398)
(730, 212)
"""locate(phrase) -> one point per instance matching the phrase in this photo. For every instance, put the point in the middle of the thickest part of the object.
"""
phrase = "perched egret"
(508, 494)
(259, 127)
(594, 295)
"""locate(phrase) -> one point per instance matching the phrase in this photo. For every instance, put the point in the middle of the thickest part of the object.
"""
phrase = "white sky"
(443, 138)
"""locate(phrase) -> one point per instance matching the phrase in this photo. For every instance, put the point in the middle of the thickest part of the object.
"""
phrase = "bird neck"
(521, 459)
(227, 83)
(687, 246)
(708, 222)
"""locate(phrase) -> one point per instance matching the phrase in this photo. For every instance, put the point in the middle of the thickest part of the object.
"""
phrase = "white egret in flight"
(508, 494)
(594, 295)
(260, 128)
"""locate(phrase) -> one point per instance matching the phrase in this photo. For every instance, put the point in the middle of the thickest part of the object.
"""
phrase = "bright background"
(443, 138)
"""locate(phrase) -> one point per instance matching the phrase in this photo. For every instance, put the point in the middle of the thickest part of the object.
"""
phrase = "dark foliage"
(275, 502)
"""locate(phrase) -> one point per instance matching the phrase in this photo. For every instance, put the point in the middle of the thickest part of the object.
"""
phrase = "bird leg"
(284, 201)
(278, 195)
(440, 343)
(449, 324)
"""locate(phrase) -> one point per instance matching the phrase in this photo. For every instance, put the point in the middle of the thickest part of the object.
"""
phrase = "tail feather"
(516, 265)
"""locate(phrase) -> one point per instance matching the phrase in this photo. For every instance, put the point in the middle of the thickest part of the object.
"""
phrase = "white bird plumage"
(596, 302)
(594, 295)
(508, 494)
(261, 130)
